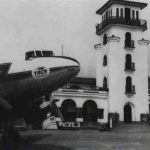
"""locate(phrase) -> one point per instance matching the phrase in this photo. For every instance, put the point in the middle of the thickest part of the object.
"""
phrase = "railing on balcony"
(130, 90)
(122, 21)
(129, 44)
(130, 67)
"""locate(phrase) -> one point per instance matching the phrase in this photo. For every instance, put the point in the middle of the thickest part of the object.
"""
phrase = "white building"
(121, 89)
(81, 102)
(122, 58)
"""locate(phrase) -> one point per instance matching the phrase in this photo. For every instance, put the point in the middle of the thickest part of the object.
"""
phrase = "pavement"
(87, 139)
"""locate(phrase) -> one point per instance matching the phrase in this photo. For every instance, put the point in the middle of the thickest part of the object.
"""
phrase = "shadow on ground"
(27, 144)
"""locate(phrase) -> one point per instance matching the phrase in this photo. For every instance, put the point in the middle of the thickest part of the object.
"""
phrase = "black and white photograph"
(74, 75)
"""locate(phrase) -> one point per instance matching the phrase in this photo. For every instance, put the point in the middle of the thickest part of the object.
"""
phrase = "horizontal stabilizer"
(4, 68)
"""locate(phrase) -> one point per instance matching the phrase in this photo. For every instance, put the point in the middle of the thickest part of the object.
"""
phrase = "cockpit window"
(29, 55)
(38, 53)
(47, 53)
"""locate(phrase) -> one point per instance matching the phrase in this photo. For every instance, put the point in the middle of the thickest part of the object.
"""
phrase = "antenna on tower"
(62, 50)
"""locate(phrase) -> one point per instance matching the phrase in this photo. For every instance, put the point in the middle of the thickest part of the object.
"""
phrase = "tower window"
(117, 12)
(105, 39)
(121, 12)
(106, 15)
(133, 14)
(111, 12)
(105, 83)
(105, 60)
(128, 39)
(128, 61)
(128, 85)
(137, 15)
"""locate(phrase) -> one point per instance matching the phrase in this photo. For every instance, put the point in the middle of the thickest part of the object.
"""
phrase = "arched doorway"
(89, 111)
(69, 111)
(127, 113)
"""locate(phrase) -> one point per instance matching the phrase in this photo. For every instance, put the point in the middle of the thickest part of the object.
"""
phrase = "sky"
(48, 24)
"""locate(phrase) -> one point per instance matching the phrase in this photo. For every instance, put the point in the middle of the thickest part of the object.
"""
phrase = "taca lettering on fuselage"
(41, 72)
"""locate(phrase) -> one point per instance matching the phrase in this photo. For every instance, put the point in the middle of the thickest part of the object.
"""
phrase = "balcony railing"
(130, 67)
(121, 21)
(130, 90)
(129, 44)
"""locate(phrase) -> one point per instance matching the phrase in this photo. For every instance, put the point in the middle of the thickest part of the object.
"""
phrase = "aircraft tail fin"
(4, 68)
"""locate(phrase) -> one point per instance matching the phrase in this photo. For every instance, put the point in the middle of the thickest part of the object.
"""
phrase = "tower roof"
(121, 2)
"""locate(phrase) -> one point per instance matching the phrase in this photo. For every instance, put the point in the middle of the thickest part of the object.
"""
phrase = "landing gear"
(11, 138)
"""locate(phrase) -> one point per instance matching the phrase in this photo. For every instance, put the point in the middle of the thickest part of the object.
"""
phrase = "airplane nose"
(72, 64)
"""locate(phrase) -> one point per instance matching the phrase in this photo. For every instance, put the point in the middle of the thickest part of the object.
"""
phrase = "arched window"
(117, 12)
(105, 83)
(69, 111)
(121, 12)
(128, 61)
(137, 15)
(128, 39)
(105, 60)
(128, 84)
(90, 111)
(105, 39)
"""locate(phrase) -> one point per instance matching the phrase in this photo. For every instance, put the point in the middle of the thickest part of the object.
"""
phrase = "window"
(106, 15)
(128, 39)
(117, 12)
(105, 39)
(100, 113)
(29, 55)
(133, 14)
(38, 53)
(121, 12)
(111, 12)
(48, 53)
(105, 60)
(137, 15)
(105, 83)
(128, 84)
(128, 61)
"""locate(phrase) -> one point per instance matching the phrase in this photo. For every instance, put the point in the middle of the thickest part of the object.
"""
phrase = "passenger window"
(38, 53)
(29, 55)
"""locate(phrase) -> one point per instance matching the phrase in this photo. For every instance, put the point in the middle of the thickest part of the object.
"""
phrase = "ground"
(84, 140)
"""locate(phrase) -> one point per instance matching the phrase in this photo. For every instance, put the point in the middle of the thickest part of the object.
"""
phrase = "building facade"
(126, 53)
(121, 86)
(80, 102)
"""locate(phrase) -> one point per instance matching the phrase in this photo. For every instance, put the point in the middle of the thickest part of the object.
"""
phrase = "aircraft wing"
(4, 68)
(4, 104)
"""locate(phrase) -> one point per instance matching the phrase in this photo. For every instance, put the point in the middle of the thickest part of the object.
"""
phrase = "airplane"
(23, 80)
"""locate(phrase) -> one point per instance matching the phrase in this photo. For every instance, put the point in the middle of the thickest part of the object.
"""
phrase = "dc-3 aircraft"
(20, 80)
